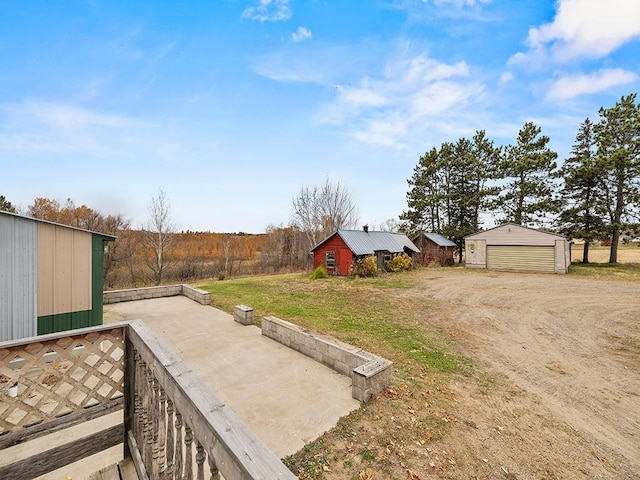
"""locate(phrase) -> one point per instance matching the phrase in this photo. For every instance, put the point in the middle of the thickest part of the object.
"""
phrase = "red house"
(338, 251)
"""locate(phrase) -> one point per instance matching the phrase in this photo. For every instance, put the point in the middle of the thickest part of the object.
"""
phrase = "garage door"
(521, 258)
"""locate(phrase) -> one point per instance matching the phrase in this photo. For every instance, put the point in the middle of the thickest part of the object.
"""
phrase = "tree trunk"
(585, 252)
(613, 252)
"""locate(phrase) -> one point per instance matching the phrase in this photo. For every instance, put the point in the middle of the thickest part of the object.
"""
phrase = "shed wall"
(17, 278)
(64, 270)
(475, 253)
(432, 252)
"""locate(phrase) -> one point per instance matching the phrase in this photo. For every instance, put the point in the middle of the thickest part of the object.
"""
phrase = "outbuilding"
(517, 248)
(434, 248)
(51, 277)
(337, 252)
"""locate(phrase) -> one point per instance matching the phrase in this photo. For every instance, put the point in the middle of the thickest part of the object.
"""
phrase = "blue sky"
(232, 106)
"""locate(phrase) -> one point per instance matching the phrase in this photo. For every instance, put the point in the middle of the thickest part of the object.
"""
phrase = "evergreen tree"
(582, 194)
(617, 137)
(6, 205)
(529, 168)
(424, 195)
(448, 188)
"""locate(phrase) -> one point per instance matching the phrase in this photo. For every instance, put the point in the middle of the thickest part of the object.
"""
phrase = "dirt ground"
(558, 389)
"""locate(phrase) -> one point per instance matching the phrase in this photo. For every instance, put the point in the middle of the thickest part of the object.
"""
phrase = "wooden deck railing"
(174, 426)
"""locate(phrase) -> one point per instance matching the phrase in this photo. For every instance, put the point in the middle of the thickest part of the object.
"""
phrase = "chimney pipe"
(365, 228)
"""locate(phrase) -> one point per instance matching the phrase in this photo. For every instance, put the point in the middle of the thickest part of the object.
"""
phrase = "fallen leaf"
(412, 476)
(366, 474)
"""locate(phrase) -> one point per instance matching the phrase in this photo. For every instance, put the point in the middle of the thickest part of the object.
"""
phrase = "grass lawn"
(373, 314)
(380, 315)
(370, 313)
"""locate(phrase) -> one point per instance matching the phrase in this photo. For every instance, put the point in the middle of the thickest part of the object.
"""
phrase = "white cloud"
(269, 11)
(460, 3)
(412, 95)
(572, 86)
(301, 34)
(506, 77)
(57, 127)
(583, 29)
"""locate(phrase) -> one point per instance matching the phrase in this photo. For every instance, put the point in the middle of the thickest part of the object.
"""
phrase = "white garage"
(517, 248)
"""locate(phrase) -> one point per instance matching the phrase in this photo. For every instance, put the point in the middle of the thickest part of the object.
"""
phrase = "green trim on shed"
(64, 321)
(97, 278)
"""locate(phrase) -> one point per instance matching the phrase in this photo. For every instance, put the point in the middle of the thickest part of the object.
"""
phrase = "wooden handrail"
(228, 444)
(174, 425)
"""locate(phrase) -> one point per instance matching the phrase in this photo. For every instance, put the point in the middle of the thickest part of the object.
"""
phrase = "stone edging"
(370, 374)
(131, 294)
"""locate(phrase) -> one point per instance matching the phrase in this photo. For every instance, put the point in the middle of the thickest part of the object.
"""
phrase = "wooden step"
(124, 470)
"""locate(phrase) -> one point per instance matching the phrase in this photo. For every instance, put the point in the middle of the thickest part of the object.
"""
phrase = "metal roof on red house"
(362, 242)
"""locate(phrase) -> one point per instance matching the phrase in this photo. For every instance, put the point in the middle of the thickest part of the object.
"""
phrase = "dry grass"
(601, 254)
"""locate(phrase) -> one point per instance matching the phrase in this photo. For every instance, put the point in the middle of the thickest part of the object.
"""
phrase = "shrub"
(399, 262)
(320, 272)
(364, 267)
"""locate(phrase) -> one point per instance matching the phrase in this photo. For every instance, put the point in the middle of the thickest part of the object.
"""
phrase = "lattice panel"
(59, 376)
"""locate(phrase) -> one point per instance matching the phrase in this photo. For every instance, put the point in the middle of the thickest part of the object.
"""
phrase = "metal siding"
(97, 279)
(17, 278)
(46, 269)
(521, 258)
(81, 271)
(64, 270)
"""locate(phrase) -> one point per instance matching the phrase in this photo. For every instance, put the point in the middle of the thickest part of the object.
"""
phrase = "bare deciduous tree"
(159, 236)
(321, 210)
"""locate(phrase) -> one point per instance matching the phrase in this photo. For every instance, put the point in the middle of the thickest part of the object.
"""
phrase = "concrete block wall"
(132, 294)
(197, 295)
(370, 374)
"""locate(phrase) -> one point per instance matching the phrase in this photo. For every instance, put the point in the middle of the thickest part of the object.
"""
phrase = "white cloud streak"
(412, 95)
(56, 127)
(301, 34)
(582, 29)
(269, 11)
(572, 86)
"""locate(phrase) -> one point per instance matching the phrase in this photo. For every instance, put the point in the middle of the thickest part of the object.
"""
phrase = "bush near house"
(399, 262)
(364, 267)
(320, 272)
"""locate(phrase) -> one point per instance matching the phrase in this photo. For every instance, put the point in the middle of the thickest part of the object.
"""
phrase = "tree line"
(594, 195)
(156, 252)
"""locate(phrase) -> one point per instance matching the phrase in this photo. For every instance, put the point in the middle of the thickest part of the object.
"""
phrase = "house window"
(387, 257)
(330, 260)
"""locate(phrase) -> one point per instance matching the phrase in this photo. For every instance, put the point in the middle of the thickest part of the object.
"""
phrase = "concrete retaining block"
(145, 293)
(243, 314)
(369, 373)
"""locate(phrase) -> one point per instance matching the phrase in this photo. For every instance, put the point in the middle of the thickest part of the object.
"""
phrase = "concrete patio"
(284, 397)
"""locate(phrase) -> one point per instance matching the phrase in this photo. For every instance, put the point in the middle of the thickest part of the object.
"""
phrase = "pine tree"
(424, 195)
(617, 137)
(448, 188)
(6, 205)
(582, 193)
(529, 167)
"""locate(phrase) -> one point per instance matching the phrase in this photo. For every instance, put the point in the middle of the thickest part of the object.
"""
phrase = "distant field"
(601, 254)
